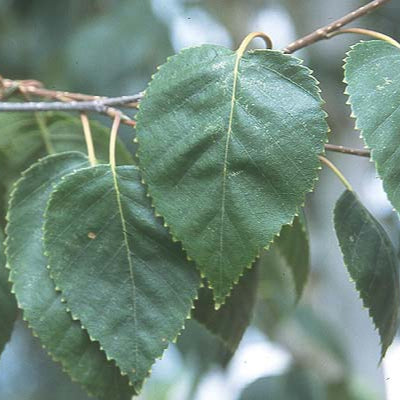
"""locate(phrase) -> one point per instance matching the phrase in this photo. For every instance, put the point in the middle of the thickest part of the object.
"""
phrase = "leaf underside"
(8, 306)
(228, 147)
(372, 264)
(297, 384)
(292, 244)
(231, 320)
(117, 267)
(372, 72)
(62, 337)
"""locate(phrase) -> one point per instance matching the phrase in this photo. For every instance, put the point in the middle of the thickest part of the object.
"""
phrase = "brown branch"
(67, 101)
(323, 33)
(348, 150)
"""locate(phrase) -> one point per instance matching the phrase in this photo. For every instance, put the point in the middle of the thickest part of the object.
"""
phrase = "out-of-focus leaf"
(372, 264)
(292, 243)
(98, 52)
(307, 336)
(231, 320)
(315, 342)
(297, 384)
(232, 174)
(193, 341)
(276, 295)
(372, 72)
(347, 390)
(117, 267)
(62, 337)
(8, 306)
(22, 142)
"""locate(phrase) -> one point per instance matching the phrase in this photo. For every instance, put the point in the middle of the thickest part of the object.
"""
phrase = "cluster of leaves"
(108, 261)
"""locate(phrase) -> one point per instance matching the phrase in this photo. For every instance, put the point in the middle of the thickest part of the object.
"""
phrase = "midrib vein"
(128, 253)
(225, 169)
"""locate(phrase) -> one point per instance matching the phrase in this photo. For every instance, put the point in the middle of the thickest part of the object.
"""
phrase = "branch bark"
(347, 150)
(68, 101)
(99, 105)
(323, 33)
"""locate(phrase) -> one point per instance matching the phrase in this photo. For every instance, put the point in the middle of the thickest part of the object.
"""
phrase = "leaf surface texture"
(372, 264)
(228, 146)
(118, 269)
(62, 337)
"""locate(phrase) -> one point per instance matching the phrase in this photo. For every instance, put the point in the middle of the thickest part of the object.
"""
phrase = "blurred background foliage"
(322, 348)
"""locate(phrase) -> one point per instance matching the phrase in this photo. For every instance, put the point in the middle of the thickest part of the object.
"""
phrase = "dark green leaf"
(292, 243)
(297, 384)
(231, 320)
(279, 290)
(122, 68)
(63, 338)
(23, 142)
(193, 341)
(372, 264)
(372, 75)
(117, 266)
(228, 145)
(276, 297)
(8, 306)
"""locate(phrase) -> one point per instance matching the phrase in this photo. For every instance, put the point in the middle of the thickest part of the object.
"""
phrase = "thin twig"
(36, 88)
(68, 101)
(348, 150)
(323, 33)
(100, 105)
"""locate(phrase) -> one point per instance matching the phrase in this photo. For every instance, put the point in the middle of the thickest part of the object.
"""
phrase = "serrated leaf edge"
(15, 185)
(315, 180)
(165, 343)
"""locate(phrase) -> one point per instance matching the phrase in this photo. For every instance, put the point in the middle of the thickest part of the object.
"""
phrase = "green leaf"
(231, 320)
(23, 141)
(292, 243)
(297, 384)
(8, 306)
(372, 263)
(228, 146)
(3, 204)
(117, 266)
(192, 342)
(132, 65)
(372, 75)
(276, 295)
(64, 339)
(313, 340)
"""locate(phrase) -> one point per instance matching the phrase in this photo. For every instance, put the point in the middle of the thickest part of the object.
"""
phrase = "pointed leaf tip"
(228, 149)
(372, 71)
(42, 306)
(372, 264)
(131, 287)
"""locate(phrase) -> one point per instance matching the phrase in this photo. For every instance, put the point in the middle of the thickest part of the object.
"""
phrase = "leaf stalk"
(337, 172)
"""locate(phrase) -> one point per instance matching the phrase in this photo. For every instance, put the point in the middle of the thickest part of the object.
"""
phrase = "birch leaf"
(372, 264)
(117, 267)
(228, 146)
(62, 337)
